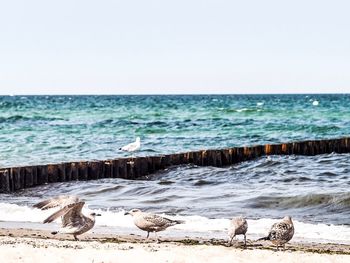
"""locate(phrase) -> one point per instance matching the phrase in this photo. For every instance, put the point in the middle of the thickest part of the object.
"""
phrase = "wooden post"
(28, 176)
(93, 170)
(61, 169)
(122, 168)
(115, 168)
(42, 175)
(101, 169)
(217, 155)
(52, 172)
(4, 181)
(225, 157)
(68, 171)
(16, 178)
(83, 171)
(108, 169)
(74, 171)
(130, 169)
(35, 175)
(166, 161)
(143, 166)
(155, 163)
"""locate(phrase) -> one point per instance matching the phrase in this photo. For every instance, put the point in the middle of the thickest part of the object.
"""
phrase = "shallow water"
(310, 189)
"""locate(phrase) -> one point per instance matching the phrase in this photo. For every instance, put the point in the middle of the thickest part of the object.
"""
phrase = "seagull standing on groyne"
(132, 147)
(281, 232)
(150, 222)
(73, 220)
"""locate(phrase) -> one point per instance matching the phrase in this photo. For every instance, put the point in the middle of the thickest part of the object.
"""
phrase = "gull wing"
(64, 211)
(74, 217)
(61, 201)
(159, 220)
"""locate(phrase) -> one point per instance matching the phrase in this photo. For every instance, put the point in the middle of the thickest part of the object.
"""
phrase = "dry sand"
(25, 245)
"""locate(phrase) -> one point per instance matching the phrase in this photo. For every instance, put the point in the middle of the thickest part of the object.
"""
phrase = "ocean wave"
(22, 118)
(333, 201)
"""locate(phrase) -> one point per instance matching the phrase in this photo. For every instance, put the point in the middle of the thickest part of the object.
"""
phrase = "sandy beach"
(25, 245)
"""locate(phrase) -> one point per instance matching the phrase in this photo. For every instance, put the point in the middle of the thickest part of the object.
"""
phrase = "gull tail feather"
(264, 238)
(179, 221)
(42, 205)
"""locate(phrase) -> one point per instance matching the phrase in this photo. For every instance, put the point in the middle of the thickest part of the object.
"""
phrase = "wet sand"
(26, 245)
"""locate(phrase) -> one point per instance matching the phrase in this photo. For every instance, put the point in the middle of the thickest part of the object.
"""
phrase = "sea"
(313, 190)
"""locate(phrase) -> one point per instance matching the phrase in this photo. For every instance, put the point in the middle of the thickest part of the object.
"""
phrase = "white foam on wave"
(306, 232)
(241, 110)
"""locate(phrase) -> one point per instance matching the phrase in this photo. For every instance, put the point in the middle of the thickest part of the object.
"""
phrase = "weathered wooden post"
(83, 171)
(92, 168)
(74, 171)
(42, 175)
(16, 177)
(122, 166)
(61, 169)
(29, 182)
(52, 173)
(4, 181)
(108, 169)
(155, 163)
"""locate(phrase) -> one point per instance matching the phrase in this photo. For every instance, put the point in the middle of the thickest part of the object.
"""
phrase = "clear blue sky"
(139, 46)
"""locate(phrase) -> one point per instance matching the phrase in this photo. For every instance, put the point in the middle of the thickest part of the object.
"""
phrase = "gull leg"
(76, 238)
(230, 241)
(147, 235)
(156, 236)
(245, 240)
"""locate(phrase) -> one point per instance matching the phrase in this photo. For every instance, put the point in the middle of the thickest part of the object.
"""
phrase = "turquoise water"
(50, 129)
(312, 189)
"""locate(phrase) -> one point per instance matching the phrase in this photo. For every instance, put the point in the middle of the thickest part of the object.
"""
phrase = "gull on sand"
(132, 147)
(73, 221)
(238, 226)
(150, 222)
(281, 232)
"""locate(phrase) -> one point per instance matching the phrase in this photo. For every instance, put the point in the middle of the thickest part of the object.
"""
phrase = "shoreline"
(26, 245)
(22, 234)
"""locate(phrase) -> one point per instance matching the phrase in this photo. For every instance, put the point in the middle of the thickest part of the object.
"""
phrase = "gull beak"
(98, 214)
(126, 213)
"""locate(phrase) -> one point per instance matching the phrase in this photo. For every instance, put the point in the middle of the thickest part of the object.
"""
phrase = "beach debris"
(151, 222)
(281, 232)
(238, 226)
(73, 220)
(132, 147)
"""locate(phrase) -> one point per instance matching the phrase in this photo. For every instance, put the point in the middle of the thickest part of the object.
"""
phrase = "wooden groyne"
(15, 178)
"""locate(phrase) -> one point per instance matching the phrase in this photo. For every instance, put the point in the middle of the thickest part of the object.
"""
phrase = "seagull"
(132, 147)
(73, 221)
(238, 226)
(151, 222)
(281, 232)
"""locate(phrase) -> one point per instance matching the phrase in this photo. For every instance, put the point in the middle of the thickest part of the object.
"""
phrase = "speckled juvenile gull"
(132, 147)
(150, 222)
(238, 226)
(73, 221)
(281, 232)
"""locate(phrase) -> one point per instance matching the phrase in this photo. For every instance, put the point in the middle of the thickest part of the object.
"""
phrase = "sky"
(174, 47)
